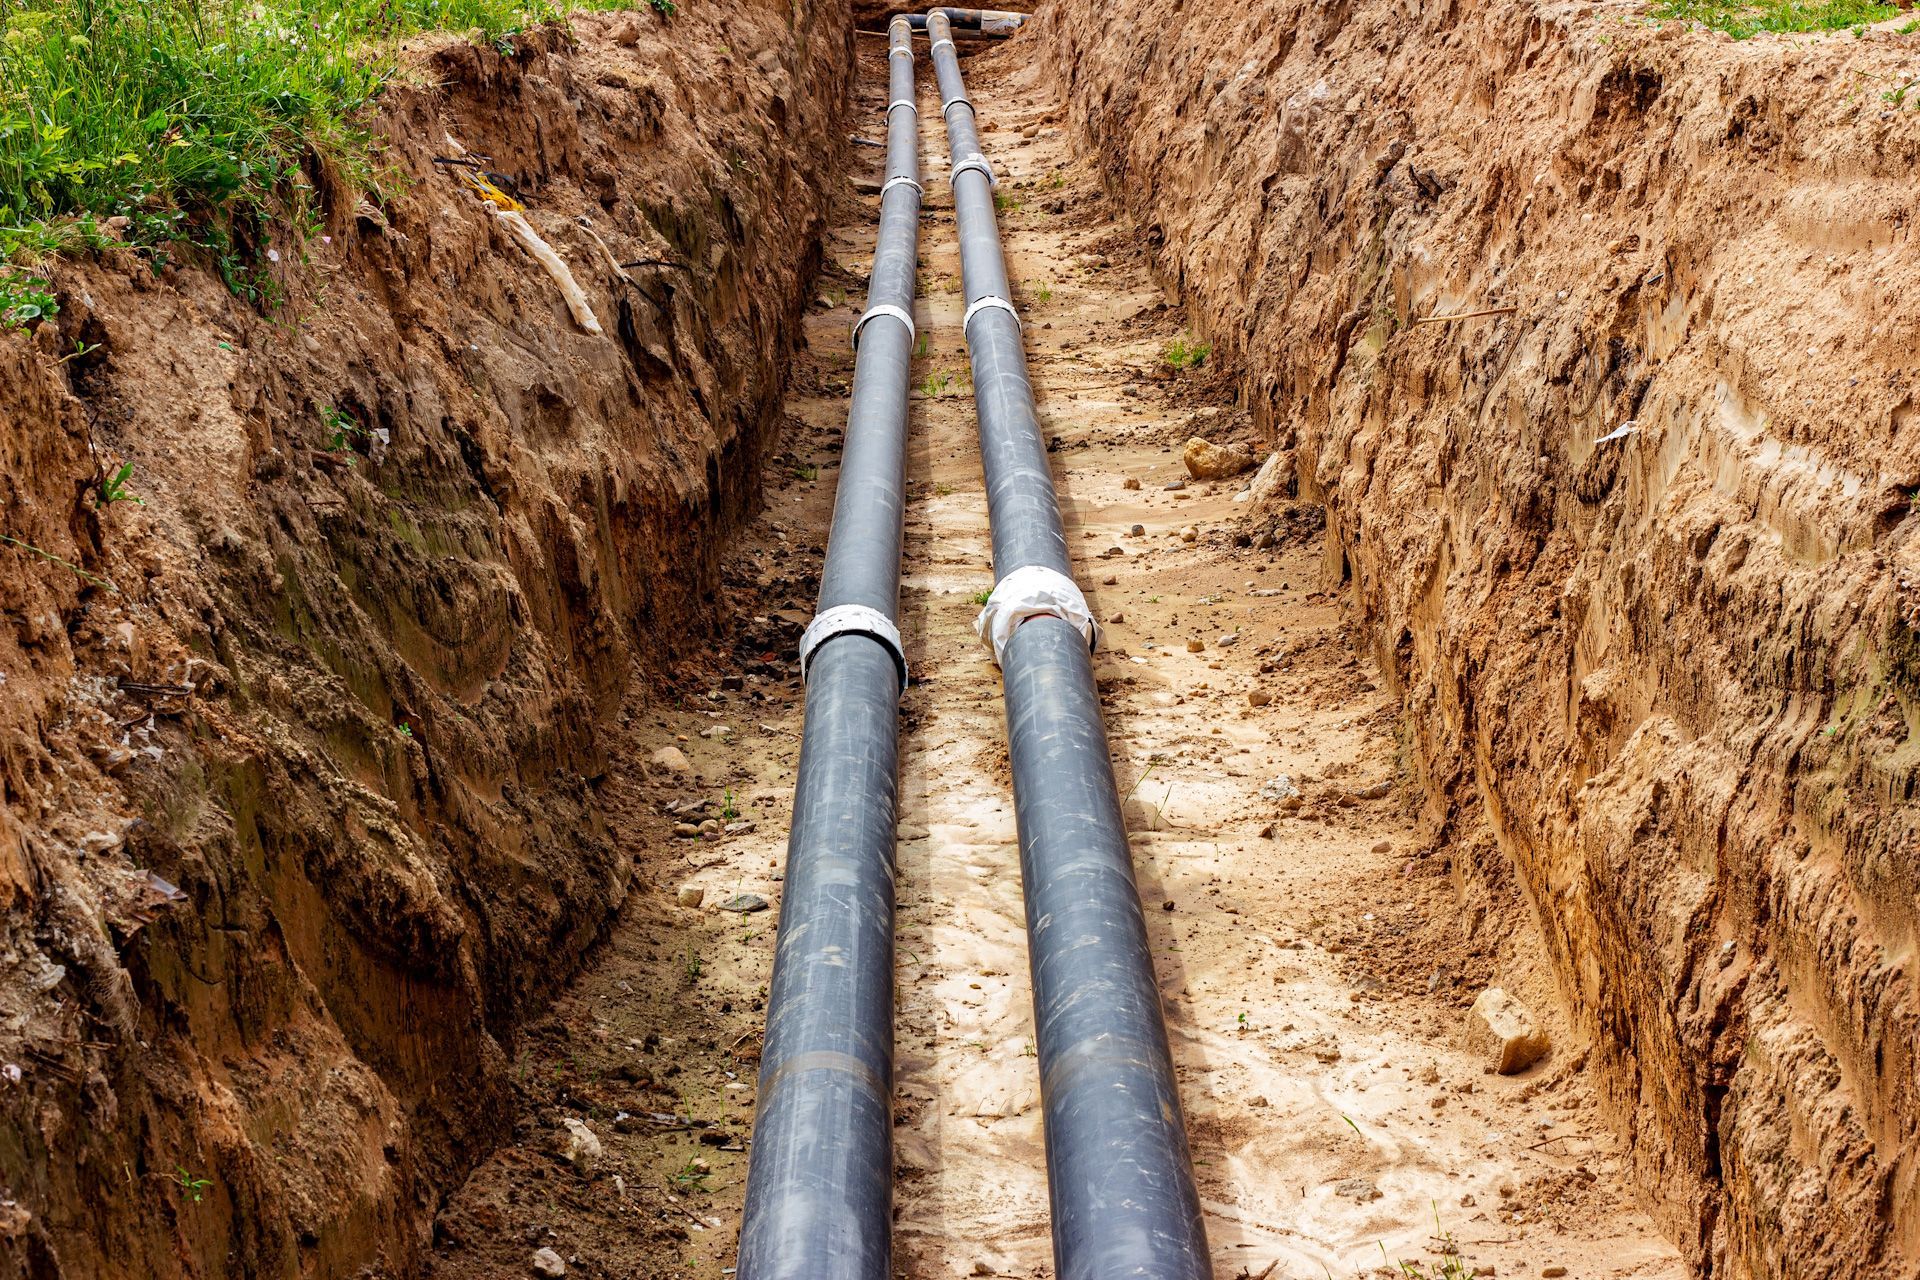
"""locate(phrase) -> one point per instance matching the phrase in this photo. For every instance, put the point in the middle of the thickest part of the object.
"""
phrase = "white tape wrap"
(935, 48)
(883, 309)
(902, 102)
(974, 161)
(1033, 591)
(988, 303)
(902, 180)
(898, 50)
(859, 620)
(962, 101)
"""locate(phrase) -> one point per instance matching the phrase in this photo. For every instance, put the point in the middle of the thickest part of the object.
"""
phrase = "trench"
(396, 798)
(1313, 967)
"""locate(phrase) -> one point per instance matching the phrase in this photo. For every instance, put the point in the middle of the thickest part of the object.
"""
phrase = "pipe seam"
(853, 619)
(883, 309)
(1033, 591)
(902, 102)
(977, 162)
(989, 303)
(902, 180)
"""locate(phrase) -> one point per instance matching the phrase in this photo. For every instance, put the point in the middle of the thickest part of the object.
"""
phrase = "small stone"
(685, 830)
(1138, 531)
(671, 760)
(1361, 1189)
(1551, 1272)
(1383, 846)
(1167, 905)
(1228, 637)
(1372, 791)
(1208, 461)
(1280, 790)
(1189, 534)
(549, 1264)
(1196, 645)
(690, 895)
(1501, 1029)
(1257, 1100)
(1174, 486)
(744, 903)
(1132, 483)
(983, 1268)
(579, 1145)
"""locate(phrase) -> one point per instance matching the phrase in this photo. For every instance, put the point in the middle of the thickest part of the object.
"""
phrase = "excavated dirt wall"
(1662, 686)
(301, 760)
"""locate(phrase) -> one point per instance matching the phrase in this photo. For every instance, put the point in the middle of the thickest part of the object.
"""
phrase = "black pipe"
(820, 1180)
(1118, 1170)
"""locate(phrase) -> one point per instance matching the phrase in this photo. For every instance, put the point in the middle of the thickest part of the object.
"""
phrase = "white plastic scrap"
(1620, 432)
(556, 267)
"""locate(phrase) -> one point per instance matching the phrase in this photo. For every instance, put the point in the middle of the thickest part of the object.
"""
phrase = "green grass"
(1741, 20)
(196, 120)
(1182, 354)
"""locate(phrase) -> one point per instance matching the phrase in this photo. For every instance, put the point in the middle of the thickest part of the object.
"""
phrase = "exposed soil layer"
(1314, 969)
(303, 762)
(1635, 553)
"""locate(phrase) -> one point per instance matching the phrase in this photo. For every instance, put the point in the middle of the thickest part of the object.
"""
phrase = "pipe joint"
(1033, 591)
(943, 40)
(902, 102)
(853, 619)
(902, 180)
(975, 161)
(901, 314)
(988, 303)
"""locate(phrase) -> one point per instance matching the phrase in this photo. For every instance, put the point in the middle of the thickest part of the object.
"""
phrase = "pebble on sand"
(1502, 1030)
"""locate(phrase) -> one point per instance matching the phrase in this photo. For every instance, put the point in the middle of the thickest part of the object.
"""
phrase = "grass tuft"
(195, 120)
(1741, 18)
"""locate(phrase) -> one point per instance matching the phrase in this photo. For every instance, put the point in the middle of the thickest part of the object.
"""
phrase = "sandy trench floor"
(1316, 977)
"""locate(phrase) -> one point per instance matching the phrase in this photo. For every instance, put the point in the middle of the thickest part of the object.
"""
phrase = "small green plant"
(114, 489)
(924, 345)
(1042, 291)
(936, 384)
(691, 964)
(690, 1177)
(1181, 354)
(342, 428)
(806, 471)
(406, 730)
(24, 298)
(941, 489)
(1005, 203)
(193, 1187)
(728, 809)
(666, 8)
(981, 597)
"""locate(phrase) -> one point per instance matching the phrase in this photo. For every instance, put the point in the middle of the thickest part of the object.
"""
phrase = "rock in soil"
(549, 1264)
(1208, 461)
(1502, 1030)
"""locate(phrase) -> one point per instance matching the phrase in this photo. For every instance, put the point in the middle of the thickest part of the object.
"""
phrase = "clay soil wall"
(301, 760)
(1639, 553)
